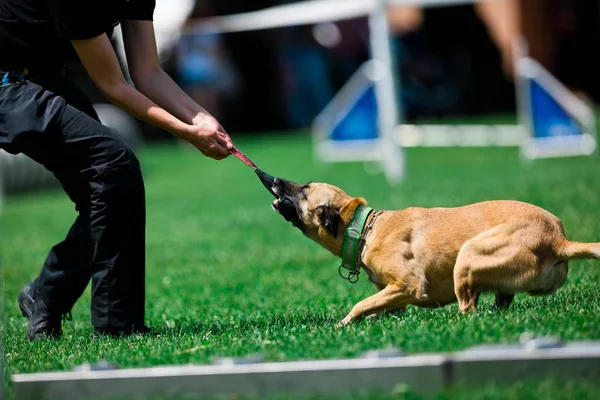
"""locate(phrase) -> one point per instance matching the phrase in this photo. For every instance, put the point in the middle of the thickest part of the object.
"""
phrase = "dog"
(431, 257)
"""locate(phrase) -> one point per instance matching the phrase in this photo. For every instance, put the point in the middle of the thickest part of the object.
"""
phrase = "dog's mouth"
(287, 209)
(284, 192)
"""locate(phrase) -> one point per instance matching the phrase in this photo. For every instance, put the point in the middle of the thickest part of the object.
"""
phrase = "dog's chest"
(372, 273)
(373, 277)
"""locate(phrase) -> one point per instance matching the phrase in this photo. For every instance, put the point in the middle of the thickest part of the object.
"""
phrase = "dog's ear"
(347, 211)
(329, 218)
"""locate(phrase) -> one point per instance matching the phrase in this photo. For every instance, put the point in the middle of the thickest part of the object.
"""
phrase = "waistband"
(19, 75)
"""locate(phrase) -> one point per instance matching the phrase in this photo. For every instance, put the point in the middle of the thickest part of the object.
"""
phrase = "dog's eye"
(320, 210)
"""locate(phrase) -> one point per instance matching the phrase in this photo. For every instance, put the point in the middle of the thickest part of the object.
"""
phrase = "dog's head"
(321, 211)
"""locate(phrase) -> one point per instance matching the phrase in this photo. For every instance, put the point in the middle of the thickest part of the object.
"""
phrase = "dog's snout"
(284, 188)
(276, 186)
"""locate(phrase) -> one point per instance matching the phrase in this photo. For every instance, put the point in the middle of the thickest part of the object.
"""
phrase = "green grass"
(226, 276)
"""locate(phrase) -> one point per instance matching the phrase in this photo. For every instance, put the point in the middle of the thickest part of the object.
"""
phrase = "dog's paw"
(344, 322)
(372, 317)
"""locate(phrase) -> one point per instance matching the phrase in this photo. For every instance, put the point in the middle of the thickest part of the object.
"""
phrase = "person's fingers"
(218, 150)
(224, 140)
(224, 135)
(217, 157)
(212, 146)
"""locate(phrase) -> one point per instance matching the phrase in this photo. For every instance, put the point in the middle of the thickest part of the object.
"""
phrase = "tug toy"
(286, 206)
(266, 179)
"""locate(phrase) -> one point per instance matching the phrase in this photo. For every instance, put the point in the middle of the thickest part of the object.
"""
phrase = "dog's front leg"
(389, 298)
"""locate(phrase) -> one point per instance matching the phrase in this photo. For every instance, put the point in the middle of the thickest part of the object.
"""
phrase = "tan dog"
(431, 257)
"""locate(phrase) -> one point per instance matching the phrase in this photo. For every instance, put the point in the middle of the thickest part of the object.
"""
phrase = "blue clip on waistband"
(7, 81)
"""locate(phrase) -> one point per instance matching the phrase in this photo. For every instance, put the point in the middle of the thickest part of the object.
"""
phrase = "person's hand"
(208, 136)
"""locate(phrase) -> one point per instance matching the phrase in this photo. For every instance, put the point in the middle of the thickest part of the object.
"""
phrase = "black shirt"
(36, 33)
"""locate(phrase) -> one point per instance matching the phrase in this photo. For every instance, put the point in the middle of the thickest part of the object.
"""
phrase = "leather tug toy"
(267, 181)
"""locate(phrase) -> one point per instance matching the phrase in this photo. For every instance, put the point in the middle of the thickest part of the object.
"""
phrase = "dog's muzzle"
(284, 192)
(286, 208)
(284, 188)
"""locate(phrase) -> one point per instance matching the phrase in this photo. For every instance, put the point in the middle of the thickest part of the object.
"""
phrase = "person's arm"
(100, 61)
(149, 77)
(83, 23)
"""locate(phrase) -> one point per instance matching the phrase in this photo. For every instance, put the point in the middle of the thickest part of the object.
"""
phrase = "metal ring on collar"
(351, 276)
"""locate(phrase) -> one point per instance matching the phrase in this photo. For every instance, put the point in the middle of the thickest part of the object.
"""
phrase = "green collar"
(354, 241)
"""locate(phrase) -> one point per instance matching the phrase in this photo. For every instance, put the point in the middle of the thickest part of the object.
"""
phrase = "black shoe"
(41, 322)
(26, 301)
(117, 332)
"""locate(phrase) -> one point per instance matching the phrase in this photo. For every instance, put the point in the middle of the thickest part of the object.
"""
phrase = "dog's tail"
(577, 250)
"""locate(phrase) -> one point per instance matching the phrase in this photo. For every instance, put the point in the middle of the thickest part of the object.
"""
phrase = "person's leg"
(116, 209)
(28, 125)
(102, 175)
(113, 201)
(68, 260)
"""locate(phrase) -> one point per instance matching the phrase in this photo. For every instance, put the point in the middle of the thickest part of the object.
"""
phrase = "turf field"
(226, 276)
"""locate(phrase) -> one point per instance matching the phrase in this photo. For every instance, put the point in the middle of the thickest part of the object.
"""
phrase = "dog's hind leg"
(503, 300)
(495, 260)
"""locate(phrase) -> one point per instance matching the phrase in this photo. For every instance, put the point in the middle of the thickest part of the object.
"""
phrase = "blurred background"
(452, 61)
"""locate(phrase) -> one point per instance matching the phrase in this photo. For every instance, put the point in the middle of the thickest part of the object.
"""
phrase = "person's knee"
(117, 164)
(122, 157)
(130, 168)
(132, 163)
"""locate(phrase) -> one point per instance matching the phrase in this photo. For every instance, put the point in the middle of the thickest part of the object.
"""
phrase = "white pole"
(385, 90)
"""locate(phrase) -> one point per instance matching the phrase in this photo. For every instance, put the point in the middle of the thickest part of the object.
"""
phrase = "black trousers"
(51, 121)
